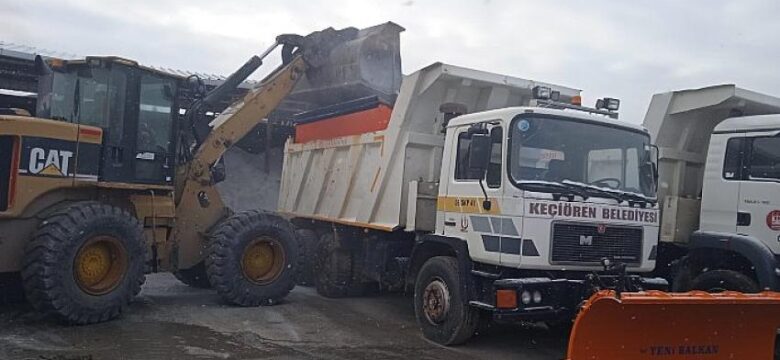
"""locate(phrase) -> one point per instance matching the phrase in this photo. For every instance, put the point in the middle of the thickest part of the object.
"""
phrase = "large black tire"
(442, 310)
(721, 280)
(194, 277)
(231, 255)
(308, 240)
(333, 272)
(66, 272)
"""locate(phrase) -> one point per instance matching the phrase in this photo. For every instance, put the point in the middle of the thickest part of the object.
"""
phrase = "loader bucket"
(367, 64)
(659, 325)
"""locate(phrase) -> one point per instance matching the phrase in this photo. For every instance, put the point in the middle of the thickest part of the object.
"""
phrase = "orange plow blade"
(660, 325)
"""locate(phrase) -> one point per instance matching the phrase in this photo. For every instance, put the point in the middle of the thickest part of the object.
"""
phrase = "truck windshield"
(571, 151)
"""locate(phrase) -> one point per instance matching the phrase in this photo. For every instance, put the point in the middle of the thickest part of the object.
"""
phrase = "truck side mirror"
(479, 154)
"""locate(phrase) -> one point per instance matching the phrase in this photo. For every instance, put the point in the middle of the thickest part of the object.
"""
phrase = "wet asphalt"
(169, 320)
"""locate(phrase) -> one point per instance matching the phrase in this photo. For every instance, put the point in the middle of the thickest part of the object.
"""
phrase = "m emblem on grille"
(586, 240)
(601, 228)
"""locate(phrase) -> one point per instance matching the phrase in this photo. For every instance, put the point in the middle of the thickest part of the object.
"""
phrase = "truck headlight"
(525, 297)
(537, 297)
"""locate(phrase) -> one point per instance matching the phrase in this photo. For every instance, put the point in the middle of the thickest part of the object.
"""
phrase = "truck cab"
(563, 190)
(719, 153)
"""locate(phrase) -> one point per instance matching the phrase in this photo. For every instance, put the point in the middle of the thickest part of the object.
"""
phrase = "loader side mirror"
(479, 154)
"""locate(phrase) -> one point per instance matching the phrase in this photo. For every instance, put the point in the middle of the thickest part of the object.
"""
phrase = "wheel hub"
(436, 301)
(100, 265)
(263, 260)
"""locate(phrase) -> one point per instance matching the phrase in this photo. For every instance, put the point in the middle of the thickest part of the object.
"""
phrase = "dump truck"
(492, 197)
(718, 166)
(108, 182)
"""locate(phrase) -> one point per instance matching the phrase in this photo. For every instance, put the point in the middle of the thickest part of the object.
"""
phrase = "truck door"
(759, 189)
(464, 214)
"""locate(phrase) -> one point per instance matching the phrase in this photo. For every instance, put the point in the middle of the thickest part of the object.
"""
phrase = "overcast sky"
(624, 49)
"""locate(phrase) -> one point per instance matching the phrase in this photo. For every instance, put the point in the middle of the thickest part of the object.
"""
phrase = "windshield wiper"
(616, 194)
(558, 190)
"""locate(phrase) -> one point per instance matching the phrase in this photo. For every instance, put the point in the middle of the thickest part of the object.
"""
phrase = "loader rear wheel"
(442, 310)
(194, 277)
(308, 240)
(724, 280)
(85, 263)
(333, 273)
(253, 258)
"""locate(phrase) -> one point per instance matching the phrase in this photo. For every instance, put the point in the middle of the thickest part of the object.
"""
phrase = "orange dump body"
(659, 325)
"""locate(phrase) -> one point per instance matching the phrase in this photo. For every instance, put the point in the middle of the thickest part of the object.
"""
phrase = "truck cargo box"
(371, 179)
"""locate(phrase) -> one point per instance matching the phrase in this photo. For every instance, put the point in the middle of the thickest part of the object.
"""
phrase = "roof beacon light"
(576, 100)
(541, 92)
(610, 104)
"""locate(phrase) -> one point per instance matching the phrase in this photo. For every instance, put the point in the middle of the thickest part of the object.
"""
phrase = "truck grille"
(583, 244)
(6, 152)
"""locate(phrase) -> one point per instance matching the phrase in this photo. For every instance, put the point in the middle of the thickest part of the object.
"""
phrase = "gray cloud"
(624, 49)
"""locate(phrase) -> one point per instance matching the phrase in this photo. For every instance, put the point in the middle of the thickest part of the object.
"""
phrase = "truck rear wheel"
(334, 271)
(308, 240)
(194, 277)
(724, 280)
(253, 258)
(442, 310)
(85, 263)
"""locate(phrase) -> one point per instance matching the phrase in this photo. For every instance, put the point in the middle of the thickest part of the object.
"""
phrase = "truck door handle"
(743, 219)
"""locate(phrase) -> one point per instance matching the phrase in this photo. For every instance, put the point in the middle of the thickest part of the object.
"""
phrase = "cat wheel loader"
(109, 182)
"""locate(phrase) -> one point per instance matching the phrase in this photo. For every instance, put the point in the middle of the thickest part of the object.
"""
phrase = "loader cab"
(135, 106)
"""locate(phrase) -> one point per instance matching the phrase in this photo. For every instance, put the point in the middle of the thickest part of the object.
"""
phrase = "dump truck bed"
(371, 179)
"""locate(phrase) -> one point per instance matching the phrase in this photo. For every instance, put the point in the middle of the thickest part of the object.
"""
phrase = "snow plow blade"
(660, 325)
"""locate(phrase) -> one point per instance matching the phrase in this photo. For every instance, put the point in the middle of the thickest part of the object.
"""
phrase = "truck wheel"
(85, 263)
(333, 270)
(724, 280)
(308, 240)
(442, 310)
(253, 258)
(194, 277)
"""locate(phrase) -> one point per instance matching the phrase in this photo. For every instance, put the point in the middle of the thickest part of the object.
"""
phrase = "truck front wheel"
(442, 310)
(724, 280)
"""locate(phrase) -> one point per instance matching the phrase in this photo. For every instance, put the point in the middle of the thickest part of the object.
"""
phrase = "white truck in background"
(719, 188)
(491, 196)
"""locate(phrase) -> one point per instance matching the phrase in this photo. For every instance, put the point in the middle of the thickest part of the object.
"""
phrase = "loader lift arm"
(199, 206)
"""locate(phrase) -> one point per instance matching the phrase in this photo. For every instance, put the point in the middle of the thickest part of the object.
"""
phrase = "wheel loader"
(109, 182)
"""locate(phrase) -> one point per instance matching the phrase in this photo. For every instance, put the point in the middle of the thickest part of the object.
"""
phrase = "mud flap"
(660, 325)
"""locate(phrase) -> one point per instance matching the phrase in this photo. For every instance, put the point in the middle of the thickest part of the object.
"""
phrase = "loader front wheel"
(715, 281)
(85, 263)
(253, 258)
(442, 310)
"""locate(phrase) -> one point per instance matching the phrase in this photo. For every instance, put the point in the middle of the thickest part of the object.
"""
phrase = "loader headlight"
(537, 297)
(525, 297)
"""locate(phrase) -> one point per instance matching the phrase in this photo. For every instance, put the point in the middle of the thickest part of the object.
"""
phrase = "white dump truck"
(719, 188)
(491, 196)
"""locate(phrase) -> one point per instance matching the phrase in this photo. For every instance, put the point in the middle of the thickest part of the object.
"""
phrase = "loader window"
(765, 158)
(155, 119)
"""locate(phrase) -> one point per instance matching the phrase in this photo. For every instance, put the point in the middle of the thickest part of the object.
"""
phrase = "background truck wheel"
(333, 271)
(195, 276)
(85, 263)
(253, 258)
(308, 240)
(722, 280)
(441, 309)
